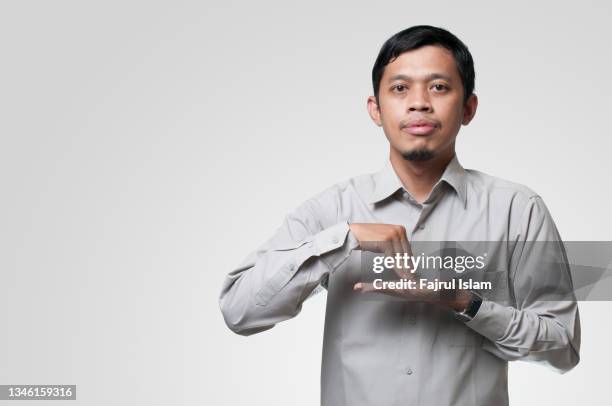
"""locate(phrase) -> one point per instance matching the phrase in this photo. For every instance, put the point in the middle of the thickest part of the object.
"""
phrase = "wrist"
(468, 312)
(462, 300)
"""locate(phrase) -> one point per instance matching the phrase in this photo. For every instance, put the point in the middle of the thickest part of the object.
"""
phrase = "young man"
(429, 349)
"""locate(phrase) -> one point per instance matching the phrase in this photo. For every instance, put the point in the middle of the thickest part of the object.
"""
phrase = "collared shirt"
(390, 352)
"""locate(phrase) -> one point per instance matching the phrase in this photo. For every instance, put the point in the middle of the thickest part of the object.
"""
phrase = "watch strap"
(471, 309)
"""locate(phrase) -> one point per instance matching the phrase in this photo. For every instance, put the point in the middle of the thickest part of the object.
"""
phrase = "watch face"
(473, 307)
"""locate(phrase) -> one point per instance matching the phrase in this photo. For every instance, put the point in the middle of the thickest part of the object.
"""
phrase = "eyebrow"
(429, 77)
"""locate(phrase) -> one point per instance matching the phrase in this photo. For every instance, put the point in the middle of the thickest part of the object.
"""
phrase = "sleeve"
(543, 325)
(273, 281)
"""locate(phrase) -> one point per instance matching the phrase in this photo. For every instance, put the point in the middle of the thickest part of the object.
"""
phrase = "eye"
(440, 87)
(399, 88)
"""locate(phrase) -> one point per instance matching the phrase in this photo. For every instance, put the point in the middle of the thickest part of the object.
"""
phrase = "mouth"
(420, 126)
(420, 129)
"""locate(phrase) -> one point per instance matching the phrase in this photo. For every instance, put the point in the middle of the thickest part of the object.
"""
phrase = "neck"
(419, 177)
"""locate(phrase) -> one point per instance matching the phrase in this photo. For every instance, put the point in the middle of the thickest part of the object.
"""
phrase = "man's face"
(421, 104)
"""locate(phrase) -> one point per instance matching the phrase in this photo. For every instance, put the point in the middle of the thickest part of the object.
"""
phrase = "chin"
(418, 154)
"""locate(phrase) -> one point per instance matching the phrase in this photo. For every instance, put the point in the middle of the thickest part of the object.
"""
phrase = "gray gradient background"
(147, 147)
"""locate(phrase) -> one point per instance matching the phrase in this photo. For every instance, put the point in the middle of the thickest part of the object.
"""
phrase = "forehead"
(421, 62)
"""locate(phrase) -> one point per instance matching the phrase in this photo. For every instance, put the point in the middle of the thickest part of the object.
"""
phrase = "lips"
(420, 127)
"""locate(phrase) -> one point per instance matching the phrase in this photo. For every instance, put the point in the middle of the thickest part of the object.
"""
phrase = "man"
(428, 349)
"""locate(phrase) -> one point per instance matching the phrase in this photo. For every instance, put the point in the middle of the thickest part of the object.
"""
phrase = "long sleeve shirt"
(390, 352)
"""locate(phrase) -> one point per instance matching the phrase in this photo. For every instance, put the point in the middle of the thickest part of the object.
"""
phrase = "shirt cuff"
(491, 320)
(334, 244)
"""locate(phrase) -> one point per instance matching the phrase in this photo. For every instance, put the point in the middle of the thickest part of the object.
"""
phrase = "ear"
(469, 109)
(374, 111)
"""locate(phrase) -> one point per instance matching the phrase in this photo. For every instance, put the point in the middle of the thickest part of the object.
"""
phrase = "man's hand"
(387, 238)
(392, 239)
(457, 299)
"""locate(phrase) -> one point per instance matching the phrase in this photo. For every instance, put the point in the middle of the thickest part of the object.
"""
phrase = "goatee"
(418, 155)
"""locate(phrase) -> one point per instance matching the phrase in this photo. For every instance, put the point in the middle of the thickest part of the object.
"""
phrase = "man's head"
(423, 83)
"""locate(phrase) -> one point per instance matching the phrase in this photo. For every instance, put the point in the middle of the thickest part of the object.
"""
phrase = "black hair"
(419, 36)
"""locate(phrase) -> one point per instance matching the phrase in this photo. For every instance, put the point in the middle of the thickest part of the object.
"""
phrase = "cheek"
(450, 114)
(391, 114)
(390, 125)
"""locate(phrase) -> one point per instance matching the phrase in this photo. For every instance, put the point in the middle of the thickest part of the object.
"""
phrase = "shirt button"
(409, 371)
(412, 319)
(335, 240)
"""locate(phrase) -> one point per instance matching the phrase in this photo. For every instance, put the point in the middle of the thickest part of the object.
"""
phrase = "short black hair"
(419, 36)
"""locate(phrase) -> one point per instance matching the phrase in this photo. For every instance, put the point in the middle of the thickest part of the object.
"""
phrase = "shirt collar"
(387, 182)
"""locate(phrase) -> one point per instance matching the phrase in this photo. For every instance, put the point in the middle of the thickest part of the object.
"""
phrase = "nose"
(419, 100)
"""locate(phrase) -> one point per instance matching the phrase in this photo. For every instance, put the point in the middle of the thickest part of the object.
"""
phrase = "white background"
(146, 148)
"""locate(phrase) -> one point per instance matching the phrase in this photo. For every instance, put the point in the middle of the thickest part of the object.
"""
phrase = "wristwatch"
(471, 309)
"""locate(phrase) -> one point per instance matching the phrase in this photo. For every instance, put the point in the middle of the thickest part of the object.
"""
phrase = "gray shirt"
(390, 352)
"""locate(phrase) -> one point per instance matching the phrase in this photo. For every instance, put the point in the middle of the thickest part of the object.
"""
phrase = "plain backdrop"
(147, 147)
